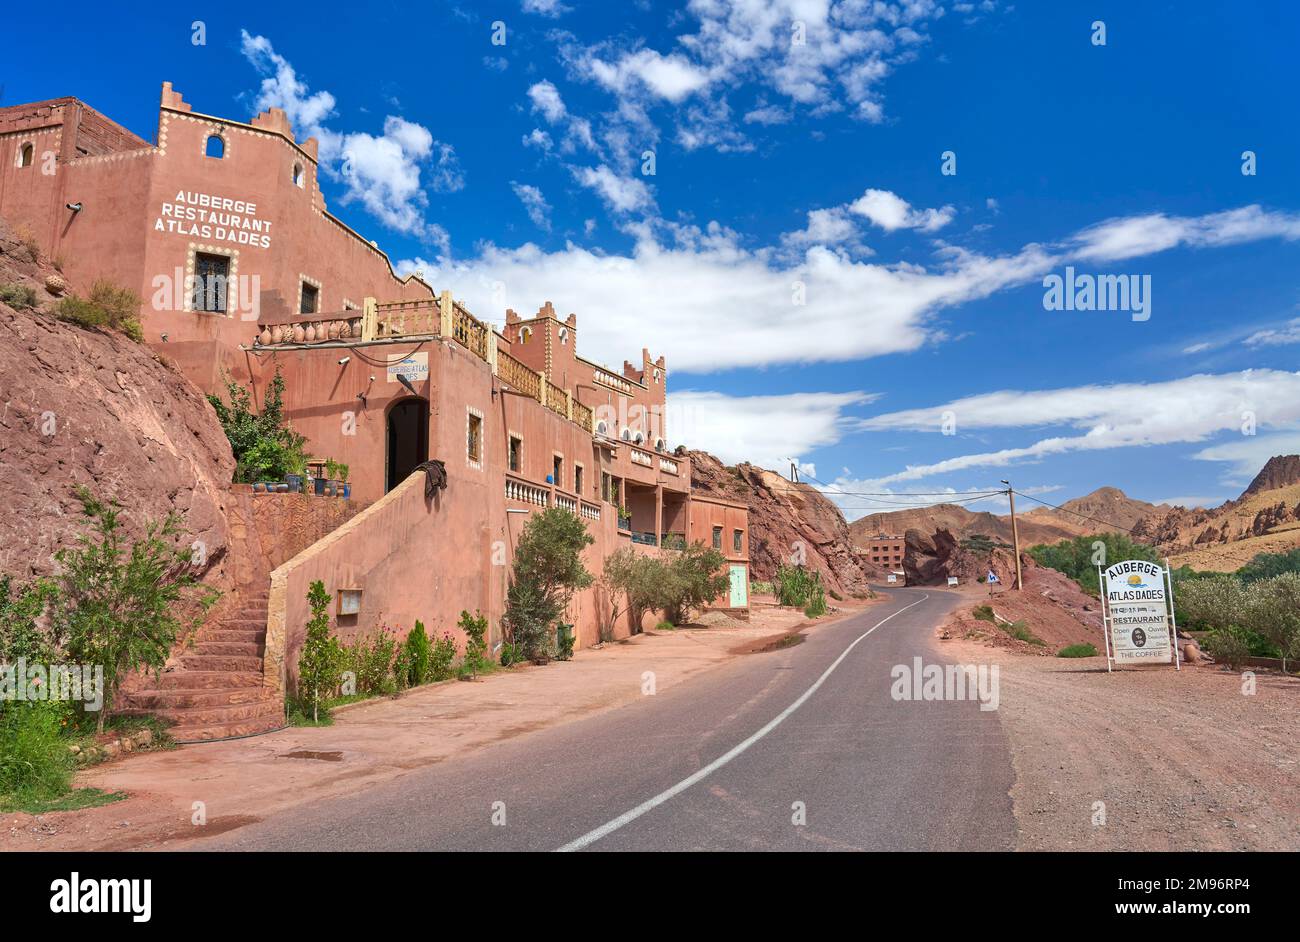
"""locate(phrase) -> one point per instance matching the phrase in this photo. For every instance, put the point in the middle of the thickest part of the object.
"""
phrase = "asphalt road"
(724, 761)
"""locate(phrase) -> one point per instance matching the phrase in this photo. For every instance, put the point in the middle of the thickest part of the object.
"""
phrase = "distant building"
(885, 551)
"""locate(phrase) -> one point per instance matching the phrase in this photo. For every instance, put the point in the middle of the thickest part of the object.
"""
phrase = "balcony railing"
(556, 400)
(590, 511)
(407, 318)
(526, 492)
(582, 415)
(668, 465)
(469, 332)
(521, 377)
(565, 502)
(641, 457)
(647, 537)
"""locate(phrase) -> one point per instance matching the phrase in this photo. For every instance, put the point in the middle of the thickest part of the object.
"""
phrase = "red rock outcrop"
(784, 516)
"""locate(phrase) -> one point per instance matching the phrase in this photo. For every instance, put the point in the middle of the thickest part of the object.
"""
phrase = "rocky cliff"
(783, 517)
(90, 407)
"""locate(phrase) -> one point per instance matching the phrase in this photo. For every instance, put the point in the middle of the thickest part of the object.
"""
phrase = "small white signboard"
(1137, 612)
(892, 578)
(952, 580)
(414, 367)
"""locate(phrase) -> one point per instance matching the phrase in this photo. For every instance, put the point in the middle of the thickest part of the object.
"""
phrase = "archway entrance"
(408, 439)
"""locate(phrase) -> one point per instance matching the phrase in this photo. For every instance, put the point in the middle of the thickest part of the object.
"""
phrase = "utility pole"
(1015, 533)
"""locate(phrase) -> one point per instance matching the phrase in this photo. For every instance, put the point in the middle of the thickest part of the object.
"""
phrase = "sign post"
(1137, 601)
(1173, 617)
(1105, 617)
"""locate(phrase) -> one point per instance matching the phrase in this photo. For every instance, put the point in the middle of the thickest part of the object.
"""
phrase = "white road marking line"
(628, 817)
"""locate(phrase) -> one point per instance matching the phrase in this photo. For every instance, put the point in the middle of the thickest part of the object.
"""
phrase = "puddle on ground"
(319, 756)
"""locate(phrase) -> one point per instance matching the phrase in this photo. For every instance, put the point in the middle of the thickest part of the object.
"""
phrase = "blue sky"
(515, 173)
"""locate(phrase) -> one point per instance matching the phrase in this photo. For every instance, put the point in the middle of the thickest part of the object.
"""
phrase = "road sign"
(952, 580)
(1136, 608)
(992, 578)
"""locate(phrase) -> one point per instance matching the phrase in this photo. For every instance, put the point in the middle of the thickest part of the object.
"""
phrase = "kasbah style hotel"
(221, 228)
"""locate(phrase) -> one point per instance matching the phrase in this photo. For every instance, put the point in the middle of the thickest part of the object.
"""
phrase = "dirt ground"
(1182, 760)
(242, 781)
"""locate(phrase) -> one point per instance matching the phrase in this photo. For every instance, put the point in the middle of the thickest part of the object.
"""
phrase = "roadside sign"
(992, 578)
(1137, 613)
(952, 580)
(892, 577)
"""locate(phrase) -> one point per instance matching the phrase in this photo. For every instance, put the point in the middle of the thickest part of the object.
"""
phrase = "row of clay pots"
(312, 332)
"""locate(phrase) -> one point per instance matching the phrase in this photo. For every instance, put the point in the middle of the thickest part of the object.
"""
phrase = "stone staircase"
(213, 688)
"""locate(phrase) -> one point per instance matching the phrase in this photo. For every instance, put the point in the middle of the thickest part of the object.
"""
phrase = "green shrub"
(1020, 631)
(107, 305)
(475, 629)
(984, 613)
(18, 296)
(692, 579)
(800, 587)
(1077, 650)
(21, 606)
(761, 588)
(120, 604)
(510, 654)
(265, 448)
(547, 571)
(1269, 564)
(322, 658)
(418, 652)
(665, 626)
(1230, 646)
(441, 657)
(816, 606)
(34, 759)
(371, 657)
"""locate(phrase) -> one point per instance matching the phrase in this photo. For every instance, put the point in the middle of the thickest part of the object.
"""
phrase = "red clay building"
(222, 229)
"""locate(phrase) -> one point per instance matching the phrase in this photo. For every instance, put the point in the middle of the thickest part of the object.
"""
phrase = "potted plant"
(293, 477)
(624, 518)
(331, 477)
(319, 482)
(343, 478)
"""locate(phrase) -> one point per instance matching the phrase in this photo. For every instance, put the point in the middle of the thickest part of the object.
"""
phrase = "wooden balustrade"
(520, 377)
(582, 416)
(556, 400)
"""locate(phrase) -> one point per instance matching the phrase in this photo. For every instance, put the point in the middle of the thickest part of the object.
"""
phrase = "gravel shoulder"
(1182, 760)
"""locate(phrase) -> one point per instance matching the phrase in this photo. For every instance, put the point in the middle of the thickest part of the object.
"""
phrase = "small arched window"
(564, 336)
(638, 438)
(602, 427)
(297, 175)
(26, 155)
(660, 445)
(214, 146)
(626, 436)
(525, 335)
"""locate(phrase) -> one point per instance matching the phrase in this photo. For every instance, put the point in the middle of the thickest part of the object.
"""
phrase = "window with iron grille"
(474, 444)
(717, 538)
(310, 298)
(735, 540)
(211, 274)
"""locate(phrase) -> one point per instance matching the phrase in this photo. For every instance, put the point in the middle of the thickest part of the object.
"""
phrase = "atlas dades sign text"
(214, 219)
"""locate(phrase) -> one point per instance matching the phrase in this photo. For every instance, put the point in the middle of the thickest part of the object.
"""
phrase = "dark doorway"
(408, 439)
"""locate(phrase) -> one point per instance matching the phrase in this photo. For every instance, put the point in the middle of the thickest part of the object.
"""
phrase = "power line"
(1076, 513)
(952, 494)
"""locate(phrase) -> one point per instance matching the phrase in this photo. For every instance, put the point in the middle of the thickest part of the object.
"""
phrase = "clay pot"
(335, 330)
(310, 333)
(55, 284)
(265, 336)
(299, 335)
(277, 334)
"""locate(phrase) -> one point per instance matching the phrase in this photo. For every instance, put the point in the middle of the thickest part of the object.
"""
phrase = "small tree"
(264, 446)
(120, 607)
(475, 628)
(693, 579)
(417, 655)
(322, 656)
(632, 582)
(547, 571)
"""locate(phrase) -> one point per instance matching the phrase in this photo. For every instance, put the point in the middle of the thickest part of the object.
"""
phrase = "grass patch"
(984, 613)
(1020, 631)
(18, 296)
(107, 305)
(665, 626)
(1077, 650)
(78, 798)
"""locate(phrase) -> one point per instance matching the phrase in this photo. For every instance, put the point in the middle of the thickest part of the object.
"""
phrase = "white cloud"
(539, 211)
(1247, 454)
(890, 211)
(721, 304)
(670, 77)
(547, 8)
(764, 430)
(622, 194)
(1145, 235)
(546, 99)
(1276, 336)
(381, 173)
(1191, 409)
